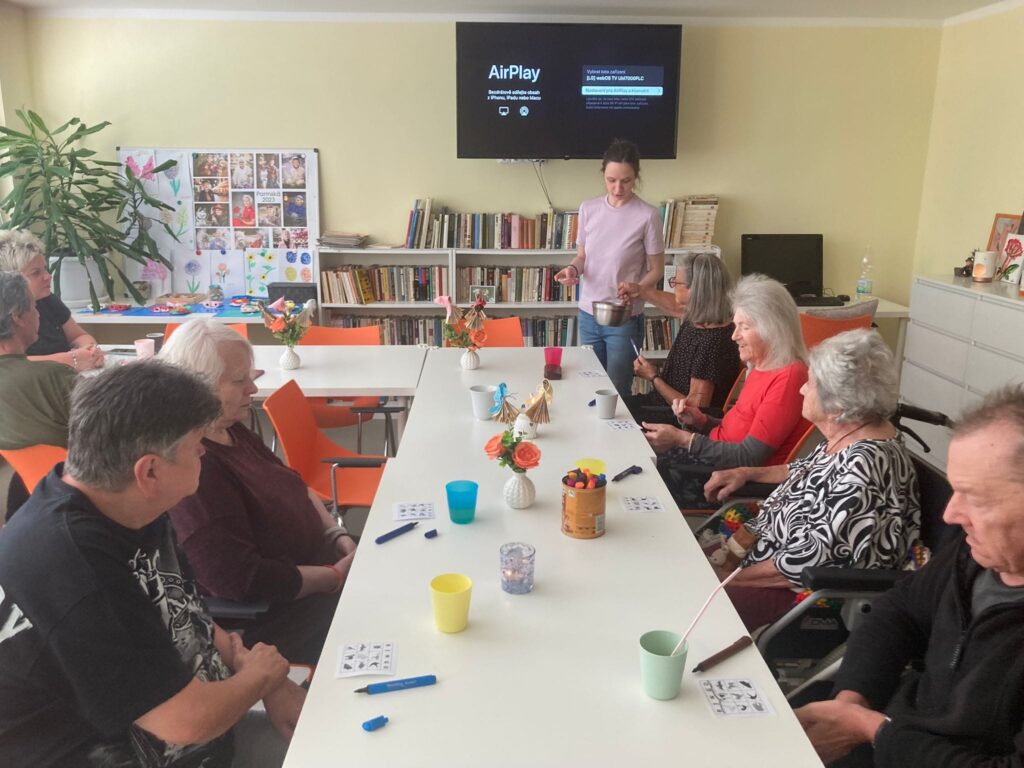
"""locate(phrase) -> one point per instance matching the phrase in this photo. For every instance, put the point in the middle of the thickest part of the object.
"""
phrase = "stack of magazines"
(342, 240)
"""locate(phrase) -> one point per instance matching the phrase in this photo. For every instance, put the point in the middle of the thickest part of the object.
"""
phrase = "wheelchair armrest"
(851, 579)
(222, 608)
(756, 490)
(343, 462)
(379, 409)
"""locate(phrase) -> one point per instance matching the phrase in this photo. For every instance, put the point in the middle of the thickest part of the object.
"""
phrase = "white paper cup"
(607, 399)
(145, 348)
(482, 396)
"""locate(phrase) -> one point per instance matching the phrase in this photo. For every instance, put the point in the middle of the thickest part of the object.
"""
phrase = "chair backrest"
(324, 336)
(816, 329)
(935, 493)
(798, 448)
(294, 423)
(504, 332)
(34, 463)
(242, 329)
(737, 387)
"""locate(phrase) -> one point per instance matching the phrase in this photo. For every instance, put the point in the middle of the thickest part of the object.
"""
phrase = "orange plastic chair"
(337, 475)
(816, 329)
(242, 329)
(330, 416)
(504, 332)
(34, 463)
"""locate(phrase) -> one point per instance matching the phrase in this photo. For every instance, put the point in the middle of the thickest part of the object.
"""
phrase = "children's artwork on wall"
(1013, 258)
(156, 274)
(296, 266)
(260, 270)
(191, 271)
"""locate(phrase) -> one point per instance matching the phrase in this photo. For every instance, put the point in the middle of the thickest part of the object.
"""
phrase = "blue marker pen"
(398, 685)
(397, 532)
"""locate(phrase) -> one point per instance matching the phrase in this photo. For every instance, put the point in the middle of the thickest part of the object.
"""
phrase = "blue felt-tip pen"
(397, 532)
(398, 685)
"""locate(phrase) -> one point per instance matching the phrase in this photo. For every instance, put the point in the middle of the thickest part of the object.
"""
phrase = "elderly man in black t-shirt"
(963, 614)
(107, 654)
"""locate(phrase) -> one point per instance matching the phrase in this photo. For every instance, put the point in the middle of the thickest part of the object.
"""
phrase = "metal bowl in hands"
(611, 313)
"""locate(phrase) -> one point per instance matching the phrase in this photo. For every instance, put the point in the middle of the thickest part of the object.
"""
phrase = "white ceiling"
(892, 11)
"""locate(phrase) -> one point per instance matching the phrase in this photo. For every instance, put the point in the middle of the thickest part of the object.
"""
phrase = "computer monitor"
(793, 260)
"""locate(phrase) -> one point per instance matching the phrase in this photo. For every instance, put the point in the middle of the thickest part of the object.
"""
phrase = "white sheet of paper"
(355, 659)
(414, 510)
(621, 425)
(735, 697)
(642, 504)
(592, 374)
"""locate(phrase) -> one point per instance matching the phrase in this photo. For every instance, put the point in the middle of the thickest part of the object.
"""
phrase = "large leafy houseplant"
(79, 207)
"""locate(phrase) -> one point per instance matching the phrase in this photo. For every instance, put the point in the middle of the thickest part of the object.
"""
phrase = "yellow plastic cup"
(596, 466)
(449, 594)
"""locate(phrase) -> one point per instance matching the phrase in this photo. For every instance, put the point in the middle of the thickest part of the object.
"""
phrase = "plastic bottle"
(864, 284)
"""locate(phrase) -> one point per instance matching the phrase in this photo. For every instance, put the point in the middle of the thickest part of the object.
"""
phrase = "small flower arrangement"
(289, 325)
(464, 330)
(512, 451)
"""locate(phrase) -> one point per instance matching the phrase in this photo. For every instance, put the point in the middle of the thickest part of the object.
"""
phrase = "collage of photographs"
(249, 200)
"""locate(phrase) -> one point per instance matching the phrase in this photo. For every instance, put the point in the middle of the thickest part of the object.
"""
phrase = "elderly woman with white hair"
(765, 423)
(852, 502)
(254, 531)
(61, 339)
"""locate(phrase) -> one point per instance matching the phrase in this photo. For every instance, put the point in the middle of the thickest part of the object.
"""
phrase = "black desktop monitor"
(793, 260)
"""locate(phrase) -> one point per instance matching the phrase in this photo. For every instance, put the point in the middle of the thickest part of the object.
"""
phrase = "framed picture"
(489, 292)
(1013, 258)
(1002, 225)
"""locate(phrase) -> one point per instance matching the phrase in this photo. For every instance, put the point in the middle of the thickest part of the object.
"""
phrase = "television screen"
(793, 260)
(534, 91)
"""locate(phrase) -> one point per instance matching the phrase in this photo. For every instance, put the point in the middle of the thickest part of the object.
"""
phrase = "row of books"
(689, 221)
(660, 332)
(352, 284)
(428, 228)
(500, 284)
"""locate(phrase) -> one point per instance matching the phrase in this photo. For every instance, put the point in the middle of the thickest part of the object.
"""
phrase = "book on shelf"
(428, 227)
(689, 221)
(354, 284)
(514, 284)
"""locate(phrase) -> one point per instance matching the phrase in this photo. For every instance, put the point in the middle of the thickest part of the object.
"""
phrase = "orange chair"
(242, 329)
(34, 463)
(816, 328)
(337, 475)
(504, 332)
(355, 410)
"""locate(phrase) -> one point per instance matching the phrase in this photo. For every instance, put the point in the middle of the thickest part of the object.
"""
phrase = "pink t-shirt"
(617, 242)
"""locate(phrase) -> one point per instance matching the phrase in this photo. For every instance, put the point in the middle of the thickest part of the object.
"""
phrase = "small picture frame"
(489, 292)
(1002, 225)
(1013, 259)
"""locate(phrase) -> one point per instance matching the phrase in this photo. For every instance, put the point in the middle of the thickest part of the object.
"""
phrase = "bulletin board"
(244, 218)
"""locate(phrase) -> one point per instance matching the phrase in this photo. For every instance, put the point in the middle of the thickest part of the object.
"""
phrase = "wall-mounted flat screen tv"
(538, 91)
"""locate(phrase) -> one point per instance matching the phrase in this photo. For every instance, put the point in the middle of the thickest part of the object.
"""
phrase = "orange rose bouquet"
(287, 322)
(463, 329)
(512, 451)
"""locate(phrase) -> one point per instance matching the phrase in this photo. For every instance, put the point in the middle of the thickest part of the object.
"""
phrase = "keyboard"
(818, 301)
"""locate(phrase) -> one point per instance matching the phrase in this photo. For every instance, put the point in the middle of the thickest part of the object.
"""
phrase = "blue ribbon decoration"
(499, 398)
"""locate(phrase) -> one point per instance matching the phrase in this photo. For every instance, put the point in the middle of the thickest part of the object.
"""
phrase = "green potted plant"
(81, 208)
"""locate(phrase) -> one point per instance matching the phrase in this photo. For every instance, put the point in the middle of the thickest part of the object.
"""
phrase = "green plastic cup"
(661, 673)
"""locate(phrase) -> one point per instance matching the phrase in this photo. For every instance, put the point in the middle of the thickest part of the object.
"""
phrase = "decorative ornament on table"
(512, 451)
(464, 330)
(503, 410)
(537, 407)
(289, 326)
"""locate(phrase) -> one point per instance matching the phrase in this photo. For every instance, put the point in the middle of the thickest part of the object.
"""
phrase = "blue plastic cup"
(461, 501)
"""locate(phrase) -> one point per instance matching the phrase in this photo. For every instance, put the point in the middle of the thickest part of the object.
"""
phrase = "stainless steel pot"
(610, 313)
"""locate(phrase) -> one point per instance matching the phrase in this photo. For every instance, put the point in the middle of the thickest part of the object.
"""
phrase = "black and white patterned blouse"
(854, 508)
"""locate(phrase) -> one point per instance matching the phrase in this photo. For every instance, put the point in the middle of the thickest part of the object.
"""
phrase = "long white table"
(545, 679)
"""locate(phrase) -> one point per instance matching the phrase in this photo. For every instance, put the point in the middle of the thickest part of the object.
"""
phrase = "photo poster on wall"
(244, 218)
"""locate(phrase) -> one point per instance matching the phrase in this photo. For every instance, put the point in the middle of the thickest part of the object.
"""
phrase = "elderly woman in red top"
(766, 422)
(254, 531)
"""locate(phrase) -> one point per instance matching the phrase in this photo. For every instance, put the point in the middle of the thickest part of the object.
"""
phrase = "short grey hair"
(18, 248)
(198, 346)
(1001, 406)
(856, 377)
(709, 283)
(15, 299)
(131, 411)
(773, 313)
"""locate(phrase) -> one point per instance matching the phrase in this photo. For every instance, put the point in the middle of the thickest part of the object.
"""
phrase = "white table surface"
(551, 678)
(342, 371)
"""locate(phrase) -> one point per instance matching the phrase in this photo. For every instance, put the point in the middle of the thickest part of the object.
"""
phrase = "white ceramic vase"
(518, 491)
(470, 360)
(290, 359)
(523, 426)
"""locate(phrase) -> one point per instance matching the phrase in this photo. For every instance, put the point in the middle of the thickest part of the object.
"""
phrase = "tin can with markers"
(583, 510)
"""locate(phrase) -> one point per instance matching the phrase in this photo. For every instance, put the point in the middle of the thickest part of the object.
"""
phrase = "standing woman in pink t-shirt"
(619, 241)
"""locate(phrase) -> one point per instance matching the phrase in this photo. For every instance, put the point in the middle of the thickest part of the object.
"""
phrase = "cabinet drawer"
(1000, 327)
(943, 309)
(926, 390)
(987, 370)
(937, 351)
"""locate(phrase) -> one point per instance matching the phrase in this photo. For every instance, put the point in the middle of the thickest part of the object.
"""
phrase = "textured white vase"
(290, 359)
(519, 492)
(470, 360)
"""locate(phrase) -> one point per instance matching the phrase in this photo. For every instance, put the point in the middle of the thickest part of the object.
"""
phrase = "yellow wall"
(14, 74)
(799, 129)
(975, 160)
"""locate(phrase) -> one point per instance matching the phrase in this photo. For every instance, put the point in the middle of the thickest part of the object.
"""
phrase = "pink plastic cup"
(552, 356)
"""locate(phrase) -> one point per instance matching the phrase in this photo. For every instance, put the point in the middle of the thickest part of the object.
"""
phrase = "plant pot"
(518, 491)
(290, 359)
(470, 360)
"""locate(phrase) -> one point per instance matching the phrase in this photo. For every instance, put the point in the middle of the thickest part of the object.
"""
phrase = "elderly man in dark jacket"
(963, 614)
